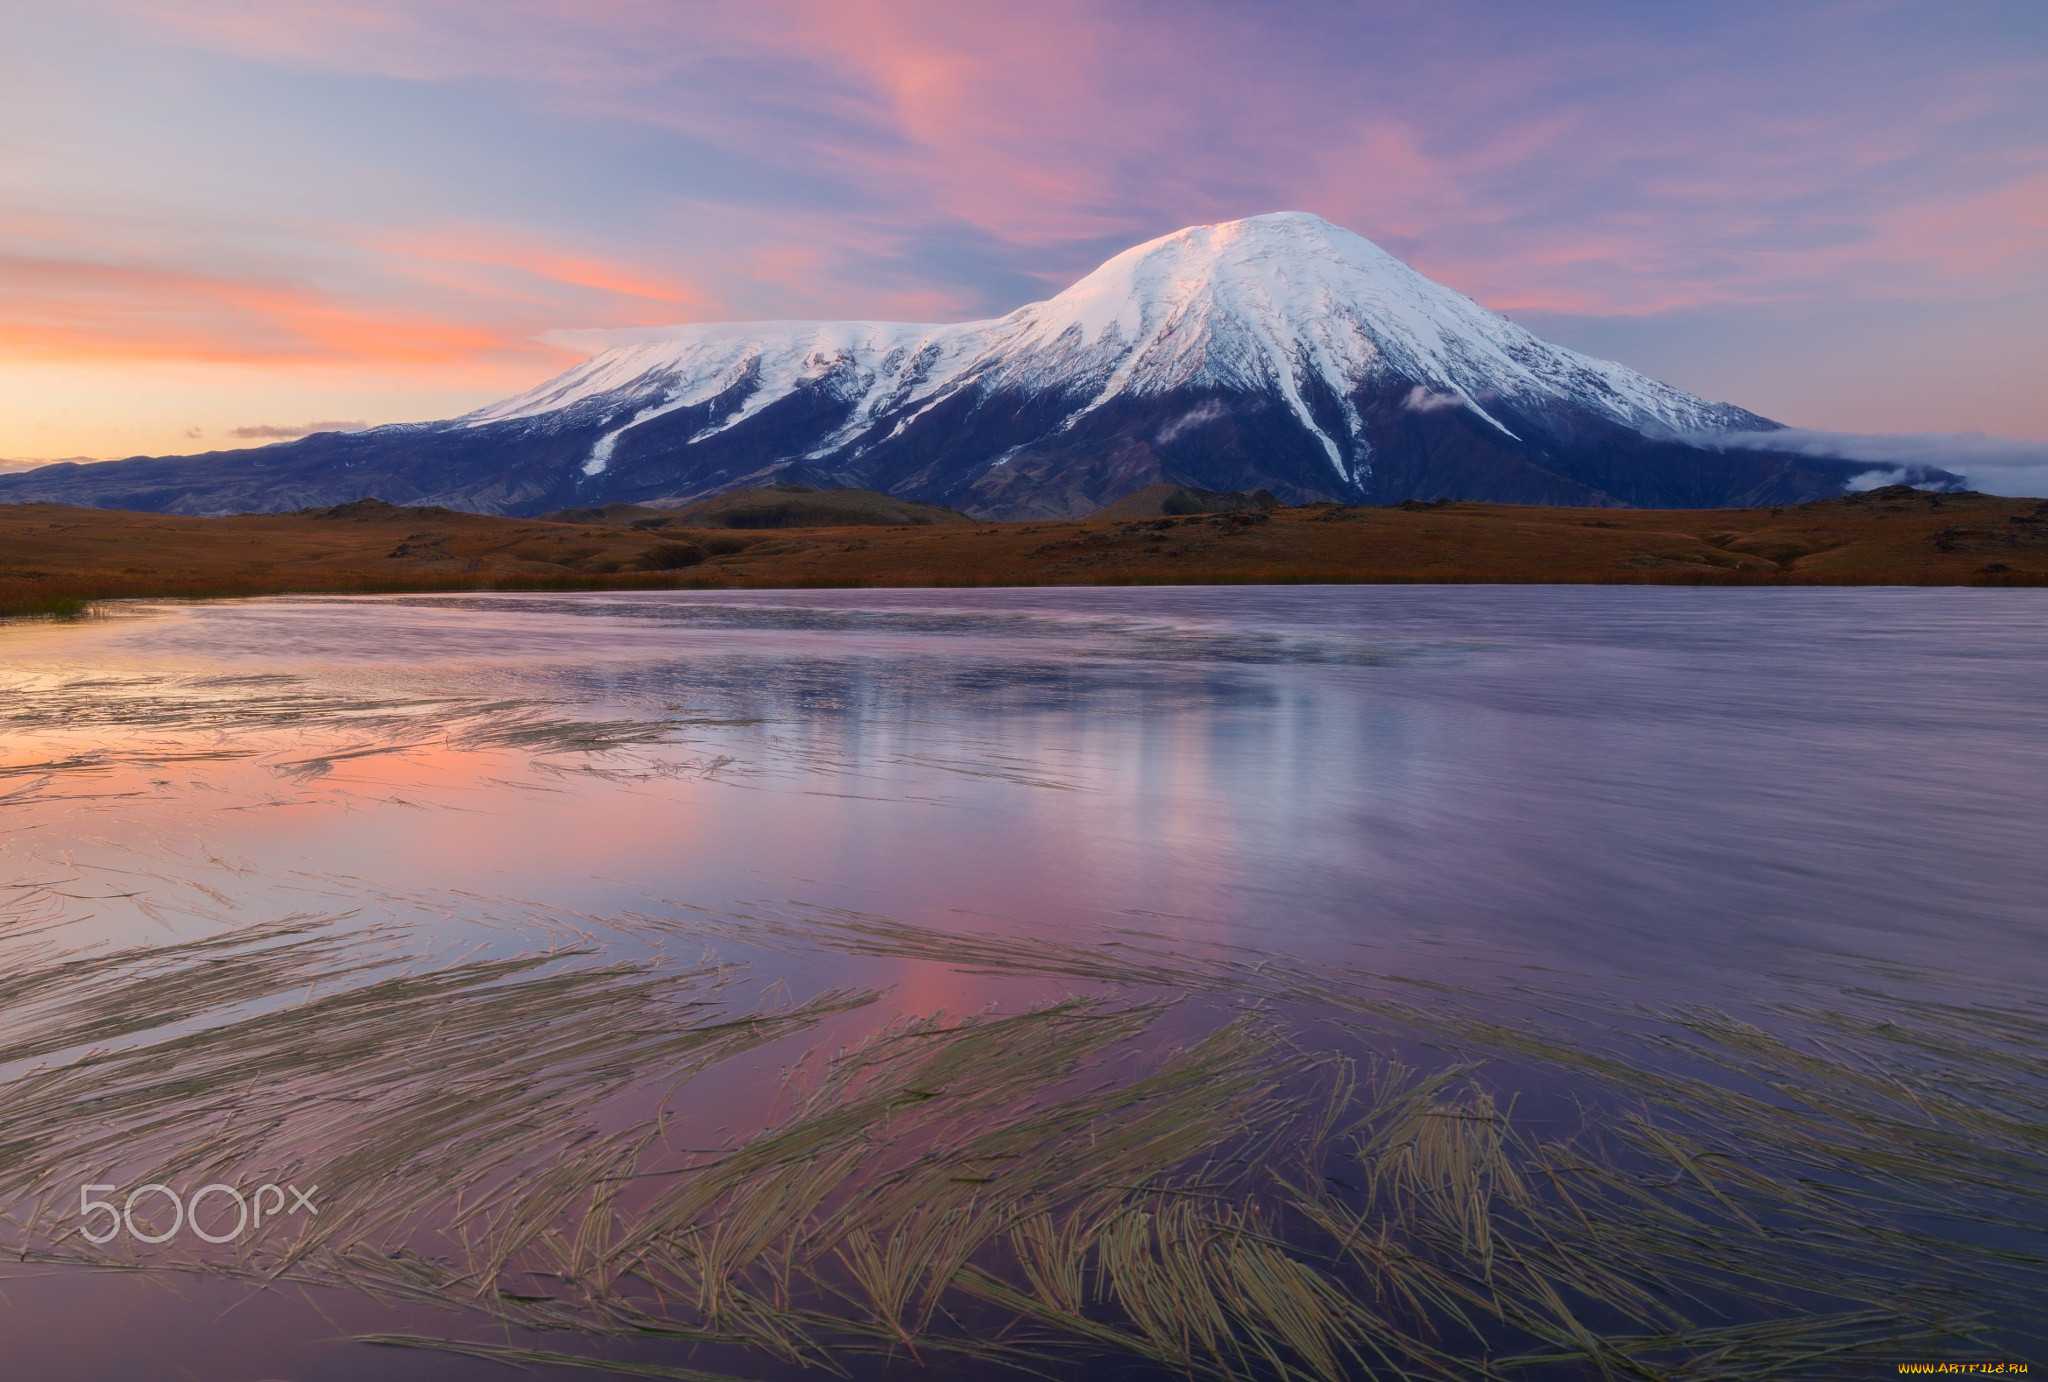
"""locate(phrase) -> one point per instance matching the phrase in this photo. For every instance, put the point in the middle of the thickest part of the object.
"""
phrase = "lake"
(1321, 981)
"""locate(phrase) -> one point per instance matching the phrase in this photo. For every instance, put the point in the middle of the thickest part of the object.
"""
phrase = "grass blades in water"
(1215, 1169)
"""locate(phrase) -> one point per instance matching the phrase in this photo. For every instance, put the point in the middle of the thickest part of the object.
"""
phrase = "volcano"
(1280, 352)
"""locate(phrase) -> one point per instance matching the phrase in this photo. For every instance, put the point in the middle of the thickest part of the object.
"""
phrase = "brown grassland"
(56, 560)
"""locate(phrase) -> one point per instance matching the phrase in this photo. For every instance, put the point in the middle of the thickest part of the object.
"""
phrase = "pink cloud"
(55, 308)
(468, 306)
(496, 263)
(1662, 182)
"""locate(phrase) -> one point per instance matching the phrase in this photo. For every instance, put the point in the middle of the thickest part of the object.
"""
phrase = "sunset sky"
(224, 221)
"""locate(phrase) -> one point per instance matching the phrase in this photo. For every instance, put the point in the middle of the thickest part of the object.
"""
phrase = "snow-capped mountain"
(1280, 351)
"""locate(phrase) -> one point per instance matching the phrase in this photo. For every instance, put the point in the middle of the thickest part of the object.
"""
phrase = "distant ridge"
(1279, 352)
(1164, 501)
(774, 506)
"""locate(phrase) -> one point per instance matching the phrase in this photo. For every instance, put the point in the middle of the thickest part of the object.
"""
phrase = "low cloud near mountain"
(289, 433)
(1993, 465)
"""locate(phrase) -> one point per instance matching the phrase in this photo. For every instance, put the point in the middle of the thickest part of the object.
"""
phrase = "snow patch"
(601, 453)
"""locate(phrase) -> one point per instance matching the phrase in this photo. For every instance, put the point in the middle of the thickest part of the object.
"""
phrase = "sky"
(225, 222)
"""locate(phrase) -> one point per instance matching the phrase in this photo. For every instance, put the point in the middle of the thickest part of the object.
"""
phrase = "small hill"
(1165, 500)
(611, 515)
(775, 506)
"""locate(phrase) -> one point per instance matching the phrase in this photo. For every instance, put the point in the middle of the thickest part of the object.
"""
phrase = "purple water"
(1619, 797)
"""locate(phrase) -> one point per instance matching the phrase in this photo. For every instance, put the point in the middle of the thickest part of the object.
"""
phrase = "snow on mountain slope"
(1268, 305)
(691, 365)
(1264, 301)
(1278, 352)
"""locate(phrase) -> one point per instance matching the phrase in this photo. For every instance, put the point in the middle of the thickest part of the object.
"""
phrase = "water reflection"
(1661, 785)
(1566, 806)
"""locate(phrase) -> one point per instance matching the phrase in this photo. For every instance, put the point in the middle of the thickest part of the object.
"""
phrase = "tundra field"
(55, 559)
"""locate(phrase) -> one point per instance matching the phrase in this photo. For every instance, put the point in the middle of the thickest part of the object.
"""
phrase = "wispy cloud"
(1994, 465)
(1201, 415)
(1421, 400)
(64, 302)
(1609, 163)
(268, 432)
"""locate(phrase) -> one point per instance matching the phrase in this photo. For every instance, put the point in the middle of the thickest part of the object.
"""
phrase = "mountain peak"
(1288, 301)
(1289, 268)
(1294, 230)
(1291, 248)
(1278, 351)
(1285, 305)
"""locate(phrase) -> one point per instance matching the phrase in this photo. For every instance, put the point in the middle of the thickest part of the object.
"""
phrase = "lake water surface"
(732, 982)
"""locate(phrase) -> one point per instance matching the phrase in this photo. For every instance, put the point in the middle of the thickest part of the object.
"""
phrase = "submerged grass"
(1204, 1169)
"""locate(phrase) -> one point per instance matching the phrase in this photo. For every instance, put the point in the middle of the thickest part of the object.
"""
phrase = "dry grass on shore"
(55, 560)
